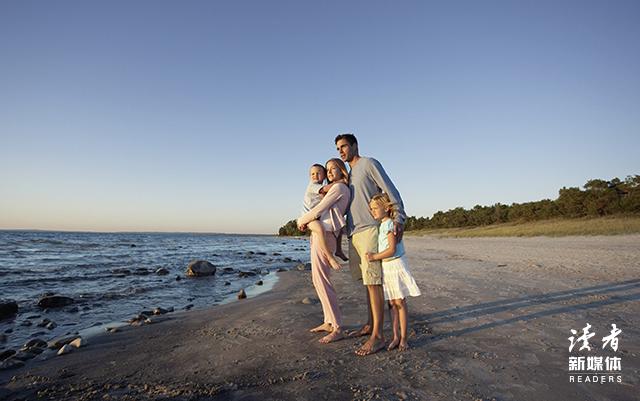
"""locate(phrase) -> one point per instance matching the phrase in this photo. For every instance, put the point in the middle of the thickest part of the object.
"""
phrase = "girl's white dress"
(397, 281)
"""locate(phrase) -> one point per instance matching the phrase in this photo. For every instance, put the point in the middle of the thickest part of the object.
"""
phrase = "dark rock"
(251, 253)
(36, 342)
(242, 294)
(162, 271)
(287, 260)
(227, 283)
(55, 301)
(281, 269)
(261, 253)
(160, 311)
(58, 342)
(121, 272)
(11, 363)
(141, 271)
(199, 268)
(243, 274)
(73, 310)
(188, 307)
(277, 254)
(44, 322)
(228, 270)
(6, 354)
(8, 309)
(8, 331)
(259, 282)
(26, 354)
(33, 316)
(178, 278)
(132, 245)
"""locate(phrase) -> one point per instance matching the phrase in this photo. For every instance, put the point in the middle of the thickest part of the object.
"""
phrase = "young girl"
(313, 195)
(397, 282)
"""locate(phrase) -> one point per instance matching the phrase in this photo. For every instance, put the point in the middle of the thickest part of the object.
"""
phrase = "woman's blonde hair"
(383, 200)
(341, 166)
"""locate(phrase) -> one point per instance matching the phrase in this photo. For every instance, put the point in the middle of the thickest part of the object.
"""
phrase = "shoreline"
(492, 322)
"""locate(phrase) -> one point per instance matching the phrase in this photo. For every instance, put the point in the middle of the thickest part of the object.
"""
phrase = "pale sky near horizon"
(205, 116)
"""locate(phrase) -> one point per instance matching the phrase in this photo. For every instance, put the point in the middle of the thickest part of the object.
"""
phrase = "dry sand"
(493, 323)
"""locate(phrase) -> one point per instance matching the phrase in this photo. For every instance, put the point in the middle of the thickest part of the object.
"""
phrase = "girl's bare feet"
(331, 337)
(403, 345)
(393, 344)
(322, 327)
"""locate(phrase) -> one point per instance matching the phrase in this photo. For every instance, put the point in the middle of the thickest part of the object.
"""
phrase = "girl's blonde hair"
(341, 166)
(383, 200)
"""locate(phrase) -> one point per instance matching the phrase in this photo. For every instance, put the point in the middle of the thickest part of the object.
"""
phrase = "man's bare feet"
(393, 344)
(403, 345)
(322, 327)
(341, 255)
(371, 346)
(364, 331)
(335, 265)
(331, 337)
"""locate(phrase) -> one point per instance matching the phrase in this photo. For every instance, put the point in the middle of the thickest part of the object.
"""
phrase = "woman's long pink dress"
(330, 212)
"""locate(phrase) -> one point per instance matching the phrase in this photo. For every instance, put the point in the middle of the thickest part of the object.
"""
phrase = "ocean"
(112, 276)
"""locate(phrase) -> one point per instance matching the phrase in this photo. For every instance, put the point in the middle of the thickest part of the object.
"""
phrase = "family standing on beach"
(374, 224)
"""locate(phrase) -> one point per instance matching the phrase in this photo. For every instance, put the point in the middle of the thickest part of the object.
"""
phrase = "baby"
(313, 195)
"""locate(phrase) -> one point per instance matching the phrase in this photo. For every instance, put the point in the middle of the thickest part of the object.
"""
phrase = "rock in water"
(77, 342)
(54, 301)
(162, 271)
(199, 268)
(242, 294)
(65, 349)
(8, 309)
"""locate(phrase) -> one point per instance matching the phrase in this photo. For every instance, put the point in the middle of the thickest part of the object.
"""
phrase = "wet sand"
(493, 323)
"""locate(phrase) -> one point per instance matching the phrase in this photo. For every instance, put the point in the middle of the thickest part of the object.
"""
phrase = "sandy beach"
(492, 324)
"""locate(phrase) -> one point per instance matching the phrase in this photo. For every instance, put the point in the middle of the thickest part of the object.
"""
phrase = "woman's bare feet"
(371, 346)
(322, 327)
(331, 337)
(364, 331)
(393, 344)
(403, 345)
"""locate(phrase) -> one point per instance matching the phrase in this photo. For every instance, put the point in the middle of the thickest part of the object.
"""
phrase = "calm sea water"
(111, 276)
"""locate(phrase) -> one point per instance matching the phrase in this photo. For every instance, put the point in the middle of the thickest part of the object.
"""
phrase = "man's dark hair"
(349, 137)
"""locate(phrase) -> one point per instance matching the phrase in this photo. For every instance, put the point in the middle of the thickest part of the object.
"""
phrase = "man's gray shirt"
(368, 178)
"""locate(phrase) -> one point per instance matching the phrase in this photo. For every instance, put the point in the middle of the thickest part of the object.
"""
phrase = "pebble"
(242, 294)
(65, 349)
(307, 301)
(77, 343)
(259, 282)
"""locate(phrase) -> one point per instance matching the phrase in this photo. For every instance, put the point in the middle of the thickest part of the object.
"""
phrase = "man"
(367, 178)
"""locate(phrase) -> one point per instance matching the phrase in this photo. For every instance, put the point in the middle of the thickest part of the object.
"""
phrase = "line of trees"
(598, 198)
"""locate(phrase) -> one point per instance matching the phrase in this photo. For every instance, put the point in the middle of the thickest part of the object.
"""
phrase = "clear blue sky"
(204, 116)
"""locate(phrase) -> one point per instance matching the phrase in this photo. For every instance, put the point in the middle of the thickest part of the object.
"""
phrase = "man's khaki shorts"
(361, 269)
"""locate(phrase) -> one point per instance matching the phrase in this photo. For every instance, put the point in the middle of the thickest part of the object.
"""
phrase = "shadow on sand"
(614, 291)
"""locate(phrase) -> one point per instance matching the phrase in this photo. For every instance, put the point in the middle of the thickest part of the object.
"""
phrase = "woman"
(330, 212)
